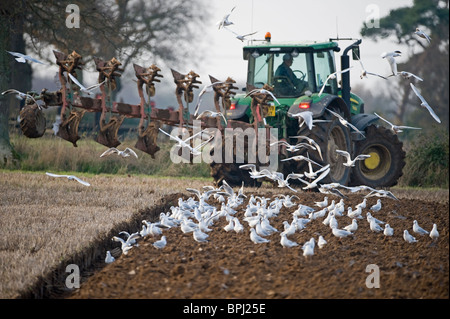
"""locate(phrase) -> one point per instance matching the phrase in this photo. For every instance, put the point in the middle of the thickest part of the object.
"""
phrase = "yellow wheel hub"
(373, 161)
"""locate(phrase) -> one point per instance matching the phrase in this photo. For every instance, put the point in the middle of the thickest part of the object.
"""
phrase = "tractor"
(311, 64)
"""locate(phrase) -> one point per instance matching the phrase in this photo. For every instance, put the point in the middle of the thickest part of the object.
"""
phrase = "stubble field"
(51, 223)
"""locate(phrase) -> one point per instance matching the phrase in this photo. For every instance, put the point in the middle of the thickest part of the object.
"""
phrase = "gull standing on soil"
(285, 242)
(322, 242)
(70, 178)
(377, 206)
(341, 233)
(345, 122)
(200, 236)
(351, 162)
(332, 76)
(352, 227)
(109, 259)
(160, 243)
(419, 230)
(125, 153)
(390, 57)
(22, 58)
(434, 234)
(225, 22)
(374, 226)
(397, 128)
(125, 246)
(408, 237)
(323, 203)
(370, 218)
(423, 35)
(308, 250)
(82, 87)
(255, 238)
(424, 103)
(388, 230)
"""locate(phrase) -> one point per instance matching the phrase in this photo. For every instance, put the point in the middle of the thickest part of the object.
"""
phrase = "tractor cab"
(292, 69)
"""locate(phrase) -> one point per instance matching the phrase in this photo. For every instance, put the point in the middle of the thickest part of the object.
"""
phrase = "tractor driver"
(284, 70)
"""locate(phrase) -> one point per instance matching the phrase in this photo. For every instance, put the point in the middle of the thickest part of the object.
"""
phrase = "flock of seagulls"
(225, 22)
(198, 216)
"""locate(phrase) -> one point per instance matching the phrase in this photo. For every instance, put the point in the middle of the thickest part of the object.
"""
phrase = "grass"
(51, 153)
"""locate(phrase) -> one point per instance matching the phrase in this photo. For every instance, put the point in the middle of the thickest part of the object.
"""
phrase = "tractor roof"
(283, 47)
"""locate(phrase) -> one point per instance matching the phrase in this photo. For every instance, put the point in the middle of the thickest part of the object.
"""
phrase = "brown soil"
(231, 266)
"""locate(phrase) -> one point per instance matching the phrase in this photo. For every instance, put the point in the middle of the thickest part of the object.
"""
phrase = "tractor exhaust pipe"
(345, 63)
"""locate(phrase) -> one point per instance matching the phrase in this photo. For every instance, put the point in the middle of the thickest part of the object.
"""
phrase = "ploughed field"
(230, 265)
(52, 223)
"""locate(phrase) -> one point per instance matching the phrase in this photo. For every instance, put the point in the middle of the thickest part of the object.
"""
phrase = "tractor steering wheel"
(302, 74)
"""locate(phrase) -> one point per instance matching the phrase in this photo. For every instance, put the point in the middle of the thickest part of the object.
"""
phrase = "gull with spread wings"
(351, 162)
(397, 128)
(70, 178)
(22, 58)
(332, 76)
(424, 103)
(345, 122)
(240, 36)
(125, 153)
(82, 87)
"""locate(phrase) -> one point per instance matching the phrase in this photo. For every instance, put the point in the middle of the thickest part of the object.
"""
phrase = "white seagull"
(351, 162)
(301, 158)
(364, 72)
(263, 91)
(390, 57)
(125, 153)
(322, 242)
(397, 128)
(312, 142)
(224, 21)
(209, 113)
(70, 177)
(408, 237)
(240, 36)
(419, 230)
(422, 34)
(82, 87)
(184, 143)
(206, 89)
(160, 243)
(341, 233)
(434, 234)
(345, 122)
(313, 184)
(294, 148)
(285, 242)
(22, 58)
(388, 230)
(305, 117)
(22, 95)
(376, 207)
(408, 75)
(424, 103)
(332, 76)
(352, 227)
(109, 258)
(255, 238)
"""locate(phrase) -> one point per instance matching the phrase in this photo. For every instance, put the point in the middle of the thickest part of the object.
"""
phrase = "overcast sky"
(286, 20)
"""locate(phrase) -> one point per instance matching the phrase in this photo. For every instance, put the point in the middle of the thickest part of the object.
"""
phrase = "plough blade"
(68, 129)
(147, 139)
(108, 131)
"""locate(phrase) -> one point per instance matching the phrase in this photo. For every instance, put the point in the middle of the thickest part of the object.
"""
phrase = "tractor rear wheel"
(330, 136)
(384, 167)
(32, 121)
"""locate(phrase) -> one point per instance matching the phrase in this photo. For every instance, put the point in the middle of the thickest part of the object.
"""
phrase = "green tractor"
(298, 91)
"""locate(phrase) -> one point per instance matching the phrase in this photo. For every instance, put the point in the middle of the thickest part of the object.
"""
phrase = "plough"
(74, 105)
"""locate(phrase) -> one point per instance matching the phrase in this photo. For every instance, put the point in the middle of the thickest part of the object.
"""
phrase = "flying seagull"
(82, 87)
(70, 177)
(206, 89)
(422, 34)
(125, 153)
(240, 36)
(425, 103)
(345, 122)
(184, 143)
(209, 113)
(312, 142)
(225, 22)
(364, 72)
(332, 76)
(21, 95)
(263, 91)
(351, 162)
(397, 128)
(22, 58)
(390, 57)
